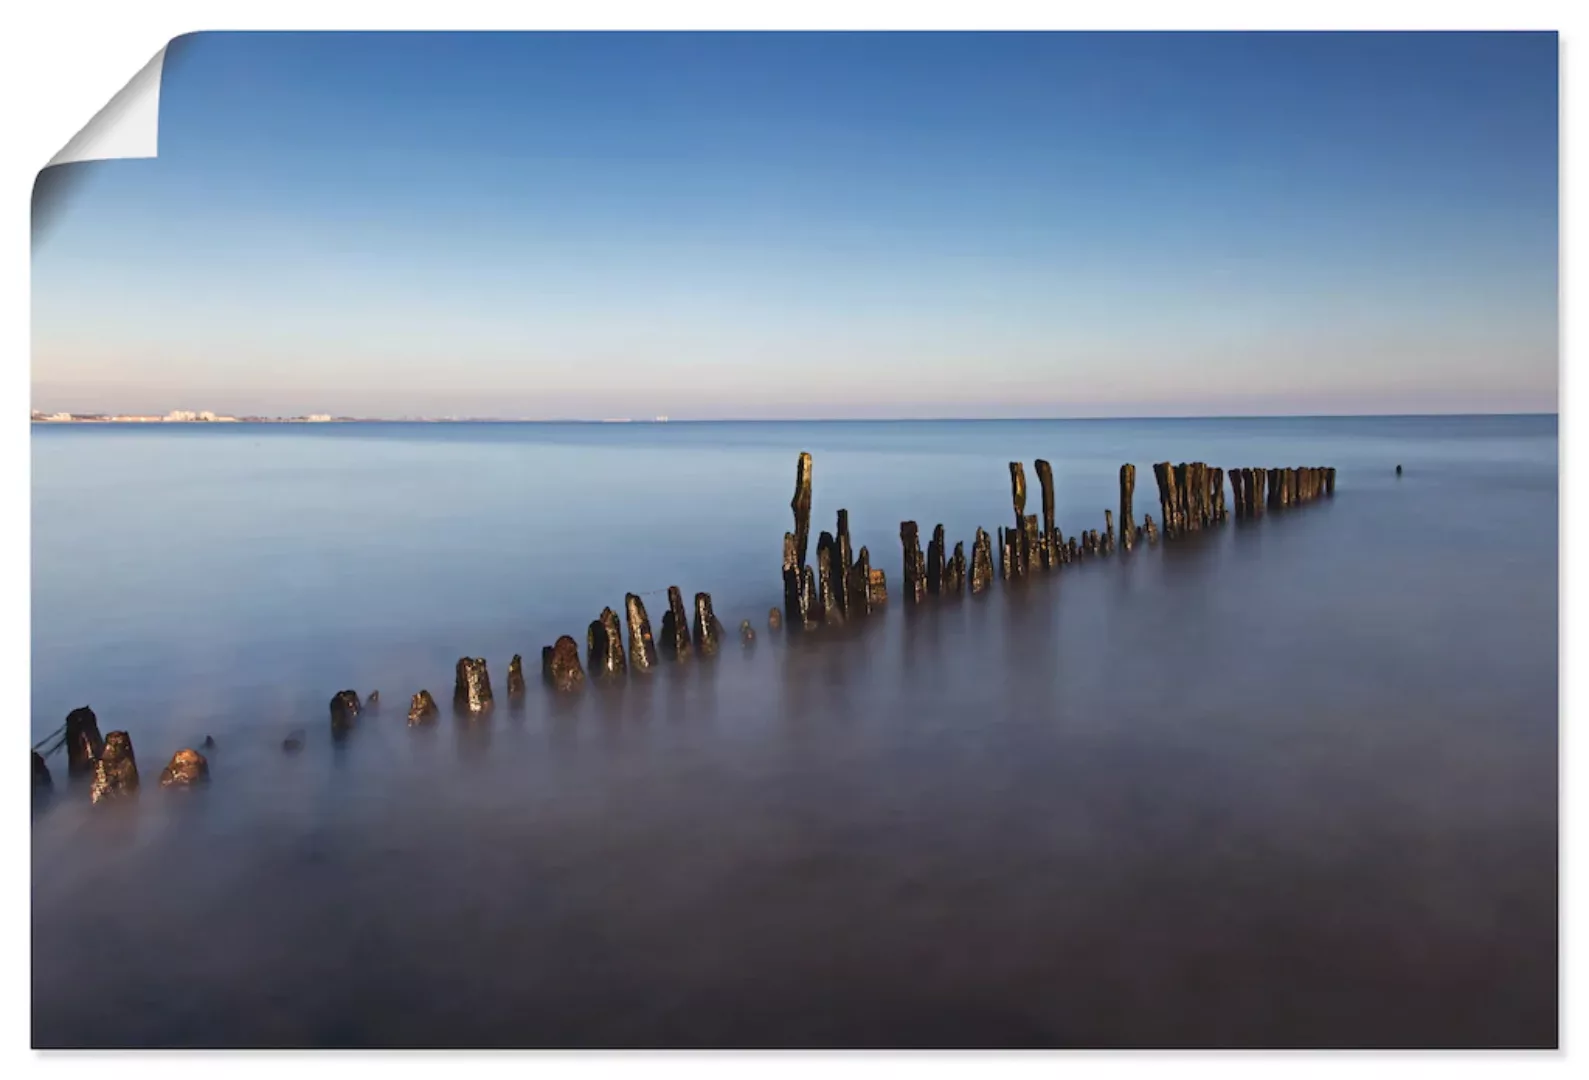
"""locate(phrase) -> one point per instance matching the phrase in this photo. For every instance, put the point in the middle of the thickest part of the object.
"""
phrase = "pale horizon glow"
(818, 226)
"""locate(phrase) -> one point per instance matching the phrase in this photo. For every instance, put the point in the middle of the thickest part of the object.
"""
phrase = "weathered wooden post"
(1031, 545)
(642, 649)
(860, 583)
(1018, 540)
(1329, 482)
(422, 709)
(676, 627)
(115, 769)
(828, 573)
(956, 573)
(747, 633)
(876, 587)
(516, 686)
(708, 630)
(981, 561)
(801, 505)
(935, 561)
(1128, 487)
(604, 646)
(1150, 531)
(1050, 541)
(774, 620)
(83, 741)
(915, 571)
(471, 691)
(1164, 477)
(1006, 555)
(1109, 531)
(845, 566)
(563, 670)
(345, 709)
(186, 769)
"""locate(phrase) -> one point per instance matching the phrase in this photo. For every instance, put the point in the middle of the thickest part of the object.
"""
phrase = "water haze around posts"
(1286, 783)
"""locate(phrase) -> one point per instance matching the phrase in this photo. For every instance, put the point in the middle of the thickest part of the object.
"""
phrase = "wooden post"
(708, 631)
(1128, 487)
(422, 709)
(1329, 482)
(1050, 542)
(915, 571)
(115, 770)
(1150, 531)
(345, 711)
(642, 649)
(604, 647)
(955, 575)
(1109, 531)
(563, 669)
(83, 741)
(1018, 540)
(471, 691)
(676, 626)
(935, 561)
(1164, 476)
(845, 566)
(981, 561)
(516, 688)
(860, 584)
(801, 505)
(828, 573)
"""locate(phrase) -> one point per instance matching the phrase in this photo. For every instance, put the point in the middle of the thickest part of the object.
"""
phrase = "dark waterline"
(1289, 784)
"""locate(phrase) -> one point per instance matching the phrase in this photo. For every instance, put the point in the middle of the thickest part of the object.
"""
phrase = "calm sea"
(1289, 783)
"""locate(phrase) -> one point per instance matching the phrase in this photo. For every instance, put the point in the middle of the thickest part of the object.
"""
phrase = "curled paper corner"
(129, 124)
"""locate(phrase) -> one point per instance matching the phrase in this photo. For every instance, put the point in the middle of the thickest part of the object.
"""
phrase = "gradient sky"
(589, 226)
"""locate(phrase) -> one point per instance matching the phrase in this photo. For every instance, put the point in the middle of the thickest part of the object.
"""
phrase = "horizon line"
(348, 419)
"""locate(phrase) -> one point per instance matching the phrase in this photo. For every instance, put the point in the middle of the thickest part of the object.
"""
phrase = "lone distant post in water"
(708, 631)
(1050, 541)
(471, 692)
(1128, 487)
(604, 646)
(1398, 470)
(115, 770)
(675, 627)
(981, 561)
(83, 741)
(344, 712)
(935, 561)
(915, 571)
(642, 649)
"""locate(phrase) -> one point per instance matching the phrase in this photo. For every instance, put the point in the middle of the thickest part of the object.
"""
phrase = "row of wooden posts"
(1191, 498)
(840, 587)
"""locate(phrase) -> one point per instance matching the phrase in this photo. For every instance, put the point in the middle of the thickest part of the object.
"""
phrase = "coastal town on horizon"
(185, 416)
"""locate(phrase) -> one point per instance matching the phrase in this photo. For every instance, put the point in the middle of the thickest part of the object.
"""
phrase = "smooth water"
(1289, 783)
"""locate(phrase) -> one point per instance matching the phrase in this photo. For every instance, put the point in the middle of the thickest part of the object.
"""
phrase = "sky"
(587, 226)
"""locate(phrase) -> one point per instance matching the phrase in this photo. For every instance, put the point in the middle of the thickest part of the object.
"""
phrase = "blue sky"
(697, 225)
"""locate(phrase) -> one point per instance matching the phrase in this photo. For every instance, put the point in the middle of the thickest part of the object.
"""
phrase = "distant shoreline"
(85, 421)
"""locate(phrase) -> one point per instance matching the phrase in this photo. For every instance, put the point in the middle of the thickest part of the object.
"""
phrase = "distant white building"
(320, 418)
(181, 416)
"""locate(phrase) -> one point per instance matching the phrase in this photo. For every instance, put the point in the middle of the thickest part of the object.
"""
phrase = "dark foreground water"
(1291, 783)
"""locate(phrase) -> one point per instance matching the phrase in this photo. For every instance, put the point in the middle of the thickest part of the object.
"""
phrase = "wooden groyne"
(838, 590)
